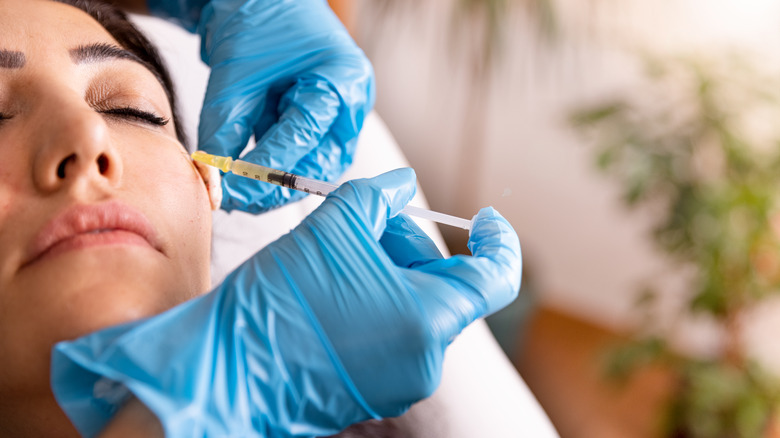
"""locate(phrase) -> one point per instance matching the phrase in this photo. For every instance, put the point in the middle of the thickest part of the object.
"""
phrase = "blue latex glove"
(287, 72)
(325, 327)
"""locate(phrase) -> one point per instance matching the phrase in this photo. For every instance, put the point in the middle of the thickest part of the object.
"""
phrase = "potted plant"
(699, 146)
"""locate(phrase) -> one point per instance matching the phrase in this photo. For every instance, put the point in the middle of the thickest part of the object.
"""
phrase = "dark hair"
(130, 38)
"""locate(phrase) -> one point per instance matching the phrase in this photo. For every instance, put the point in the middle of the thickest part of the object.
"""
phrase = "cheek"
(12, 183)
(16, 222)
(175, 196)
(184, 195)
(6, 197)
(162, 167)
(191, 236)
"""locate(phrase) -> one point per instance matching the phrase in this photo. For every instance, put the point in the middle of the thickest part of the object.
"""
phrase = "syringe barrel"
(254, 171)
(312, 186)
(322, 188)
(281, 178)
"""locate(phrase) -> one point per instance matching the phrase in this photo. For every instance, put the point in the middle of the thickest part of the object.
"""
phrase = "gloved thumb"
(372, 201)
(229, 112)
(493, 239)
(478, 285)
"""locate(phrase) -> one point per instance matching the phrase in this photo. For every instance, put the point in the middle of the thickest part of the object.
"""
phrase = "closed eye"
(135, 113)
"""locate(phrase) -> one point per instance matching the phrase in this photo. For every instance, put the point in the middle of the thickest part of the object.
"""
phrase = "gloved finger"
(370, 202)
(308, 109)
(486, 281)
(407, 244)
(230, 109)
(213, 181)
(329, 159)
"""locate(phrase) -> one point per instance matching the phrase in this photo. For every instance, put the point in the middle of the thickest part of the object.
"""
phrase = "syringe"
(308, 185)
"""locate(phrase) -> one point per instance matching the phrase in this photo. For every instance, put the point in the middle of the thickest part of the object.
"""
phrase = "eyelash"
(128, 112)
(135, 113)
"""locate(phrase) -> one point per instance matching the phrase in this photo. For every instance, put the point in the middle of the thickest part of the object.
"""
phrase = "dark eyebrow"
(12, 59)
(99, 52)
(80, 55)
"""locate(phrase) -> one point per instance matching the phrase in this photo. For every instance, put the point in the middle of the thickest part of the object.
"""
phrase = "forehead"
(42, 28)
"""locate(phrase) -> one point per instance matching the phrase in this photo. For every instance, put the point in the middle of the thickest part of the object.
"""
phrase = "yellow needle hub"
(222, 163)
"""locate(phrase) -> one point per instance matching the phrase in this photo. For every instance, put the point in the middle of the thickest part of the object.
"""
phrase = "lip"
(85, 226)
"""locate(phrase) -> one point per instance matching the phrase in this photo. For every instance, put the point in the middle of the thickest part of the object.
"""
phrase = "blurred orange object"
(345, 10)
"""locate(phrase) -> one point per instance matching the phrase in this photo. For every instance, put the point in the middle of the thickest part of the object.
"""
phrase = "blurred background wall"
(493, 129)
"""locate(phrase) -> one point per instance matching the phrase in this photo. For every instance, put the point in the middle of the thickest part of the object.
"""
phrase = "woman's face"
(103, 218)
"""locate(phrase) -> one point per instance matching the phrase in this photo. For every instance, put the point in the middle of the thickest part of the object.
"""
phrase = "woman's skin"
(103, 217)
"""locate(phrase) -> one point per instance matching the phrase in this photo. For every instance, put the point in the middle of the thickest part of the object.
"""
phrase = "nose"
(75, 150)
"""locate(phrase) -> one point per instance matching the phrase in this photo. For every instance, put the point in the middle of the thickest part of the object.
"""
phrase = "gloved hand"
(287, 72)
(325, 327)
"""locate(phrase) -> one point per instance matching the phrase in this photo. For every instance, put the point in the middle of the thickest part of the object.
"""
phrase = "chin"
(104, 304)
(85, 291)
(68, 298)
